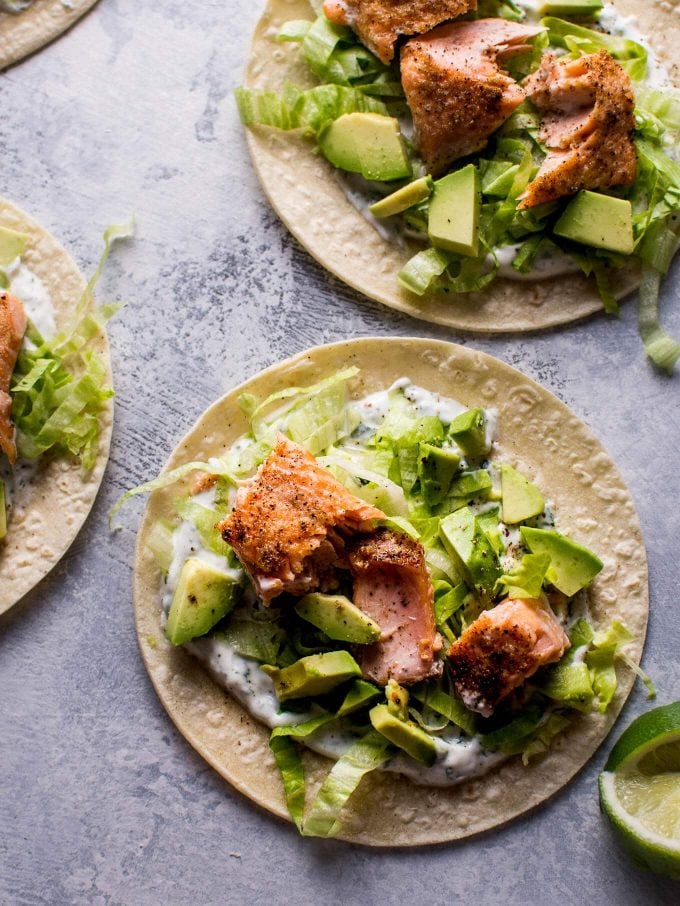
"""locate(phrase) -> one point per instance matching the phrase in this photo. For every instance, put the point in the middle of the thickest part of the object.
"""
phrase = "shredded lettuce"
(660, 347)
(526, 580)
(361, 758)
(205, 520)
(58, 386)
(580, 40)
(289, 762)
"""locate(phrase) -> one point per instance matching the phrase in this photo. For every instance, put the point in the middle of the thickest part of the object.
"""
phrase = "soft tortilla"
(23, 33)
(537, 433)
(50, 511)
(306, 195)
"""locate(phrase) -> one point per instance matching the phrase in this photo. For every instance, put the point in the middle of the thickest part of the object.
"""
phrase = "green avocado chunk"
(571, 568)
(338, 617)
(454, 212)
(366, 143)
(600, 221)
(469, 431)
(12, 245)
(468, 544)
(203, 596)
(404, 734)
(3, 513)
(360, 693)
(520, 498)
(403, 198)
(472, 484)
(437, 467)
(570, 7)
(315, 674)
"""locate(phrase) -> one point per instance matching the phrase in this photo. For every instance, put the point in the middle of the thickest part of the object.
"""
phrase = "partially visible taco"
(448, 179)
(354, 544)
(55, 401)
(28, 25)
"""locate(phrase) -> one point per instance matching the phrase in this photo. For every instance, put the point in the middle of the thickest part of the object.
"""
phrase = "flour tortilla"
(49, 513)
(538, 434)
(304, 191)
(23, 33)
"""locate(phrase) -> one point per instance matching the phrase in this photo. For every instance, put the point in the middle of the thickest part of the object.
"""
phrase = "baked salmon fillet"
(501, 649)
(587, 124)
(392, 585)
(291, 521)
(12, 329)
(380, 23)
(456, 89)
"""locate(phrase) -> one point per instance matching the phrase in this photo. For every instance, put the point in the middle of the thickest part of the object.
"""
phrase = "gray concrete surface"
(101, 800)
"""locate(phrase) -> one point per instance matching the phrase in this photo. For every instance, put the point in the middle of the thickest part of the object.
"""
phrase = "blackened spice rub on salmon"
(290, 524)
(392, 586)
(587, 123)
(501, 649)
(455, 87)
(380, 23)
(12, 329)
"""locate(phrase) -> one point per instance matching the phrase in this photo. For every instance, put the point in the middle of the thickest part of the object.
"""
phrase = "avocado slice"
(338, 617)
(315, 674)
(366, 143)
(404, 734)
(469, 431)
(203, 596)
(468, 544)
(454, 212)
(436, 469)
(403, 199)
(520, 498)
(570, 7)
(360, 693)
(600, 221)
(472, 484)
(3, 512)
(12, 245)
(571, 568)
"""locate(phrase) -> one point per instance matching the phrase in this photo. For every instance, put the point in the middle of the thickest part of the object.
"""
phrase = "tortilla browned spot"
(49, 513)
(539, 435)
(23, 33)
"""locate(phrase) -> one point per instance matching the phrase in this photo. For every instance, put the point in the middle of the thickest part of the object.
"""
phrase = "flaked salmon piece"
(290, 522)
(501, 649)
(455, 87)
(12, 329)
(587, 124)
(392, 585)
(380, 23)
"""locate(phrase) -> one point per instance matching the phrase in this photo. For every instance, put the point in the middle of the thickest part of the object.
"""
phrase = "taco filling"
(53, 386)
(368, 580)
(508, 142)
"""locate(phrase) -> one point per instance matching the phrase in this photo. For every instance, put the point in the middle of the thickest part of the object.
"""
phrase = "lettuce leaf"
(58, 387)
(364, 756)
(580, 40)
(526, 580)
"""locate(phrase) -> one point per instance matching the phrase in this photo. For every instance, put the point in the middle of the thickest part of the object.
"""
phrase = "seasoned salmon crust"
(12, 329)
(587, 124)
(501, 649)
(380, 23)
(455, 88)
(290, 523)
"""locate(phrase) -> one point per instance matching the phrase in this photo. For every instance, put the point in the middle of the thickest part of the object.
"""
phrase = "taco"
(374, 477)
(55, 401)
(28, 25)
(518, 143)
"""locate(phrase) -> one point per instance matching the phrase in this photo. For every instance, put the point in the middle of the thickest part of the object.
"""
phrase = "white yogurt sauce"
(458, 758)
(25, 285)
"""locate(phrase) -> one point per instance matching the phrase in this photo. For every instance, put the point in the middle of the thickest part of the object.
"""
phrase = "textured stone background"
(101, 800)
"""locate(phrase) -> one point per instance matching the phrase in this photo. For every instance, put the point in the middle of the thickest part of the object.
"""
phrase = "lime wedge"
(640, 790)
